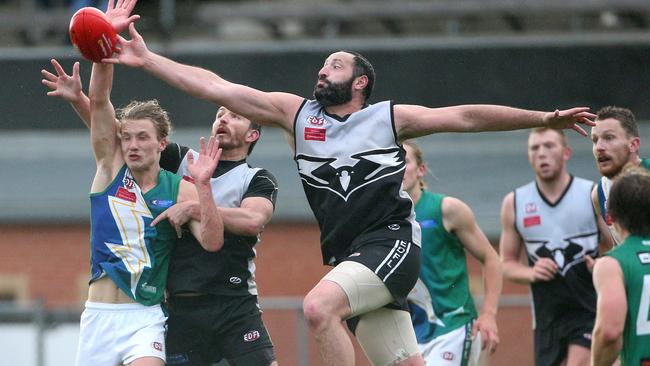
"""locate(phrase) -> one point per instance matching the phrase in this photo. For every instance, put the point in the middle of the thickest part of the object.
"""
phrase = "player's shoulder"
(584, 182)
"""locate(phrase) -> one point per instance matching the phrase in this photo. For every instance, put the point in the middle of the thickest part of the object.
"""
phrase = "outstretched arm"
(510, 247)
(209, 230)
(610, 312)
(413, 121)
(276, 109)
(68, 87)
(103, 131)
(249, 219)
(459, 219)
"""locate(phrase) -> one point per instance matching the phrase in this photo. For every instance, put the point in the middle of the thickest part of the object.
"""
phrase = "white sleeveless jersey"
(228, 189)
(565, 231)
(352, 169)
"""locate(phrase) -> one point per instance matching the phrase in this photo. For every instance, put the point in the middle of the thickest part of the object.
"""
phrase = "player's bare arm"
(511, 247)
(414, 121)
(459, 219)
(276, 109)
(610, 313)
(209, 229)
(103, 133)
(249, 219)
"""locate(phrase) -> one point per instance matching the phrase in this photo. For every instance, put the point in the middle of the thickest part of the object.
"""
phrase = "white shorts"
(116, 334)
(455, 348)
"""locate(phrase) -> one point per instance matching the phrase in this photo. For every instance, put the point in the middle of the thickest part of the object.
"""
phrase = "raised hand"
(201, 170)
(570, 118)
(119, 14)
(63, 85)
(129, 52)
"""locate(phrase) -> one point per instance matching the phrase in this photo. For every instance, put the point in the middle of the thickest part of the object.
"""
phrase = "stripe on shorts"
(397, 245)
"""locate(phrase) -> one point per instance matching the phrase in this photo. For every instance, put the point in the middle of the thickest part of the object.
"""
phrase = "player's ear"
(635, 144)
(360, 82)
(252, 135)
(162, 144)
(567, 153)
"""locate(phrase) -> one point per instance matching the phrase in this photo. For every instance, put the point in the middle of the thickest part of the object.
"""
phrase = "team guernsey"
(441, 300)
(564, 231)
(351, 170)
(634, 258)
(604, 185)
(231, 270)
(123, 244)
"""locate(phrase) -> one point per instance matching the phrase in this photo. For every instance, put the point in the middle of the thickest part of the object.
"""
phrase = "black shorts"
(396, 263)
(202, 330)
(552, 343)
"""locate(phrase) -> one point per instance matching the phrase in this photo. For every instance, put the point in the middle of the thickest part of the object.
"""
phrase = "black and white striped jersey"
(351, 170)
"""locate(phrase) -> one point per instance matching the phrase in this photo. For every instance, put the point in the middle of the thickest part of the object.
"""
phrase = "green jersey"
(441, 301)
(634, 258)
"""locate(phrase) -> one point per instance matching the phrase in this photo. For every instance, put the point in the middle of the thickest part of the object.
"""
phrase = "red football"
(92, 34)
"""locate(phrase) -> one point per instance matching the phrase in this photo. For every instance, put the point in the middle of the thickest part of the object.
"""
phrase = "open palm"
(201, 169)
(63, 85)
(119, 14)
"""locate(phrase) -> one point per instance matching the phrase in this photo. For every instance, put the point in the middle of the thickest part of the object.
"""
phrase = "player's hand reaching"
(119, 14)
(202, 168)
(570, 118)
(178, 215)
(129, 52)
(62, 85)
(486, 324)
(544, 270)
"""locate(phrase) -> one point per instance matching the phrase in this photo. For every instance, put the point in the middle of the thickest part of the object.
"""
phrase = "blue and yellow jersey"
(123, 244)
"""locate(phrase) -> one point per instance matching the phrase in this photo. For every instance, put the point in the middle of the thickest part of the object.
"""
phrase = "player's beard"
(334, 93)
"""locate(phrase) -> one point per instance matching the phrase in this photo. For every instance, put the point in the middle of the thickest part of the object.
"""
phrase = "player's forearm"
(239, 221)
(103, 130)
(211, 221)
(492, 282)
(604, 351)
(101, 83)
(499, 118)
(82, 107)
(192, 80)
(242, 221)
(517, 272)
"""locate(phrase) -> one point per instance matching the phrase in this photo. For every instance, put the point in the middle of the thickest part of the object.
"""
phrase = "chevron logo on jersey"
(345, 176)
(565, 255)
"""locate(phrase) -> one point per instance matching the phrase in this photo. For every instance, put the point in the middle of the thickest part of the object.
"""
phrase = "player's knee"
(315, 312)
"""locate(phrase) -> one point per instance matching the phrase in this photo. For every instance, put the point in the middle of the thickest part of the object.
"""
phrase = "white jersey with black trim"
(230, 271)
(564, 231)
(352, 169)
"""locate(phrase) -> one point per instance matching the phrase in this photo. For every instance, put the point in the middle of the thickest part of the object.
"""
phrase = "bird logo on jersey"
(569, 253)
(343, 176)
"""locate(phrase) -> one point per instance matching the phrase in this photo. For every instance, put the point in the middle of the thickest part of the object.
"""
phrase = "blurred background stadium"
(537, 54)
